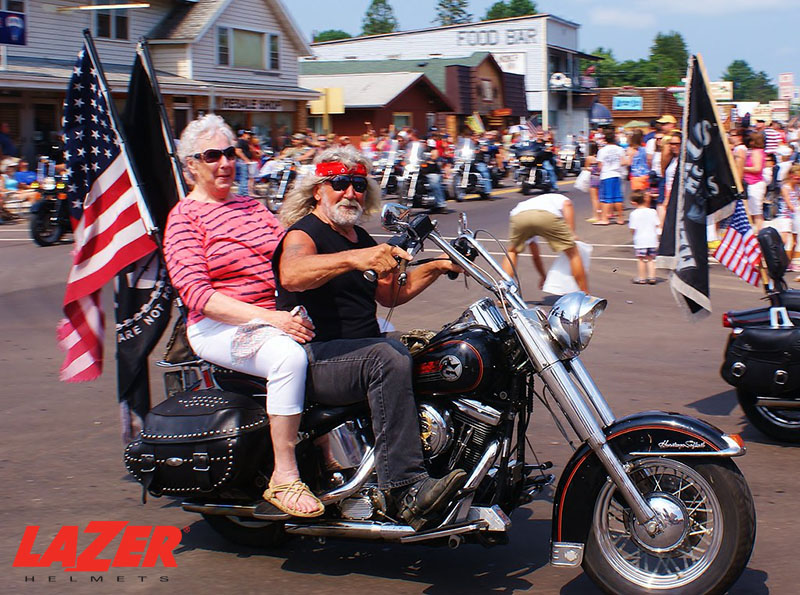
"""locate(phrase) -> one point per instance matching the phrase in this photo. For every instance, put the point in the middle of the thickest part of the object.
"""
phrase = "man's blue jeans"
(485, 177)
(551, 174)
(346, 371)
(435, 182)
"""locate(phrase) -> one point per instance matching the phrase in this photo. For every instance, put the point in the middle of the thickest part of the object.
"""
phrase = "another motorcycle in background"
(571, 159)
(274, 180)
(388, 170)
(762, 355)
(532, 174)
(50, 218)
(465, 177)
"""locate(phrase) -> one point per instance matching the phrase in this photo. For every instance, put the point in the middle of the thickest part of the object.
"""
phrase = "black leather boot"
(420, 504)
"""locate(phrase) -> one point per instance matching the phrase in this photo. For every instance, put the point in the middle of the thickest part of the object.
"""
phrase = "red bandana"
(327, 169)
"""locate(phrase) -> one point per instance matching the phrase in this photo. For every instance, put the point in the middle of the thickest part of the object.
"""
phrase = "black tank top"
(343, 308)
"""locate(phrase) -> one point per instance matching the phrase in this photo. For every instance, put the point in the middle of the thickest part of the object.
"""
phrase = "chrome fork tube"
(537, 342)
(592, 392)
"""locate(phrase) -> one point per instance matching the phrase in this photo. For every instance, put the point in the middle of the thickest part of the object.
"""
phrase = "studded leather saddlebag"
(764, 361)
(202, 443)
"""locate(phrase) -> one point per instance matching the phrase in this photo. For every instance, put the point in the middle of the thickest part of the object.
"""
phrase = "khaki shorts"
(523, 226)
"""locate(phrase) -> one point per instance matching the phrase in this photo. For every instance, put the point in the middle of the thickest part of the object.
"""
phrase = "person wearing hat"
(244, 156)
(299, 150)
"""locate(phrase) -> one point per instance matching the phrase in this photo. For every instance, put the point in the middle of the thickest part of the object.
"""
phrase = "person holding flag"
(218, 249)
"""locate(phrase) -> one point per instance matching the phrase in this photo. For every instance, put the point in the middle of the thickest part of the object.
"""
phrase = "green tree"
(668, 59)
(606, 71)
(379, 18)
(512, 8)
(331, 35)
(452, 12)
(749, 85)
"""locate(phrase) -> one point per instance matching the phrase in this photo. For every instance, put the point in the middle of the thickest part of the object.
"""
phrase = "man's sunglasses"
(214, 155)
(341, 182)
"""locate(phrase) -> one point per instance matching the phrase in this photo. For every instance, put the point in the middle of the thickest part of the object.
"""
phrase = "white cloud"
(627, 19)
(720, 7)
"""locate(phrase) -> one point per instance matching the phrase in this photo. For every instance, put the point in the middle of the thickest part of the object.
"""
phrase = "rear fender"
(646, 434)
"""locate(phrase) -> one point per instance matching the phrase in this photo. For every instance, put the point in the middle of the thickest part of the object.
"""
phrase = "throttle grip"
(370, 275)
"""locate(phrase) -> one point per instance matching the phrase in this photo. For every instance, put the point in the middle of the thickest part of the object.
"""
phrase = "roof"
(366, 89)
(433, 68)
(188, 21)
(44, 73)
(459, 25)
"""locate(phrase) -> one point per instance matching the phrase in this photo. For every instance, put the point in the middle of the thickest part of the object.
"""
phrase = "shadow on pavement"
(722, 404)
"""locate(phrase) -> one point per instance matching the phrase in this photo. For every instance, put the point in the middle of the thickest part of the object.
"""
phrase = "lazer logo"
(140, 546)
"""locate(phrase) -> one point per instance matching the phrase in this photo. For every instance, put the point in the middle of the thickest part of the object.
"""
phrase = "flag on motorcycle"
(706, 183)
(739, 250)
(143, 294)
(104, 200)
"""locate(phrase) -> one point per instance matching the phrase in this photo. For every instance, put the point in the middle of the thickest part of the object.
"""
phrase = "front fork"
(582, 417)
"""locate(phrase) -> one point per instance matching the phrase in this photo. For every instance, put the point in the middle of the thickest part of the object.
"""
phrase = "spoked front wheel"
(708, 519)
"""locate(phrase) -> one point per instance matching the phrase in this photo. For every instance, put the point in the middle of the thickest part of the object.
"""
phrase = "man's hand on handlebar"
(383, 259)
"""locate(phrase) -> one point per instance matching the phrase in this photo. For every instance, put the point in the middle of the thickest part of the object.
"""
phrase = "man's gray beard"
(346, 218)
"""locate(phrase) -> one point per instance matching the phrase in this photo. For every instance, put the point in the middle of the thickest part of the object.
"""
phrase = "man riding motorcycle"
(321, 265)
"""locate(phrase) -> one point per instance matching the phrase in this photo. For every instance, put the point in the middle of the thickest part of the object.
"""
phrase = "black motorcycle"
(649, 499)
(762, 356)
(532, 175)
(50, 214)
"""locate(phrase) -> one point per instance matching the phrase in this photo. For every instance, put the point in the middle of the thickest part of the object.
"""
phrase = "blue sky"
(762, 32)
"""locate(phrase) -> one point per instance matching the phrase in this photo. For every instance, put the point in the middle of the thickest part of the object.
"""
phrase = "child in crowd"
(644, 224)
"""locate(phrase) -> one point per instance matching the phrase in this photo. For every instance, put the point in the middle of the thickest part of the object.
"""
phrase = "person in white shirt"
(612, 160)
(552, 217)
(644, 224)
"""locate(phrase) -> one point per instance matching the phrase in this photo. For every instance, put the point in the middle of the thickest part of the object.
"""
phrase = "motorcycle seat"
(318, 419)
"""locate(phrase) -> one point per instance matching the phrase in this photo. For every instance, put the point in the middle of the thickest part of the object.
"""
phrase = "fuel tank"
(460, 360)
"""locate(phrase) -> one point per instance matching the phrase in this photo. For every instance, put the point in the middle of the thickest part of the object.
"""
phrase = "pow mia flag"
(142, 304)
(706, 184)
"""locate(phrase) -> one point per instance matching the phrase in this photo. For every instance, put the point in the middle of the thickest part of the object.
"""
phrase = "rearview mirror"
(393, 213)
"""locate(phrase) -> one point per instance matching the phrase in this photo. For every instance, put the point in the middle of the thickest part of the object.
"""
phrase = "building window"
(254, 50)
(274, 52)
(223, 52)
(486, 91)
(110, 24)
(13, 5)
(401, 119)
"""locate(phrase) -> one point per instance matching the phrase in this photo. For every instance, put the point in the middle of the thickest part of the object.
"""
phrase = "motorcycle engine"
(455, 437)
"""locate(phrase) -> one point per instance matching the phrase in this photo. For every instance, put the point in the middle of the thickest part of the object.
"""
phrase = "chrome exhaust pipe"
(351, 487)
(777, 403)
(351, 529)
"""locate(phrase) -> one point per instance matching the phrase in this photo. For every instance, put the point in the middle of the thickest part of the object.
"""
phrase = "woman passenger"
(218, 248)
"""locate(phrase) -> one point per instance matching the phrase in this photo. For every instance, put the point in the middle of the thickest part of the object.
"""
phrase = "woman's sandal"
(639, 281)
(290, 493)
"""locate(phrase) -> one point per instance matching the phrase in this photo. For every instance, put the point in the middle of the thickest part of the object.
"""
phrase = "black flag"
(705, 183)
(143, 297)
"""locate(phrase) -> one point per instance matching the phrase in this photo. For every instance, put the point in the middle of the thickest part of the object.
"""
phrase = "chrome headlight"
(572, 319)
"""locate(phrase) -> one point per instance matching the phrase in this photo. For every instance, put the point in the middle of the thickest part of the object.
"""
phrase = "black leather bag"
(764, 361)
(206, 442)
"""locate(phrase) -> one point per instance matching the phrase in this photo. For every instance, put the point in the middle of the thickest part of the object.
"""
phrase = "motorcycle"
(388, 169)
(465, 177)
(762, 360)
(275, 178)
(50, 218)
(532, 175)
(571, 159)
(414, 187)
(651, 500)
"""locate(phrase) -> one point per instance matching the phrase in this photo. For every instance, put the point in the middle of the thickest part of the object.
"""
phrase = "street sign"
(627, 103)
(12, 28)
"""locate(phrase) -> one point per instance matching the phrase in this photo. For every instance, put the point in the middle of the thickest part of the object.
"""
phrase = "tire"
(780, 424)
(526, 189)
(249, 532)
(706, 554)
(45, 228)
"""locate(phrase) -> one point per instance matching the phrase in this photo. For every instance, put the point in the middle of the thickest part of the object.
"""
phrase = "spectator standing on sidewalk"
(612, 160)
(754, 178)
(244, 156)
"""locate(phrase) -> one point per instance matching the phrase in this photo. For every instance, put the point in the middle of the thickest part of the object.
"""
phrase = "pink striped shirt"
(225, 247)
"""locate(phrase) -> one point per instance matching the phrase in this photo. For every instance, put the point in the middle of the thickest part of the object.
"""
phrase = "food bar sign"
(244, 104)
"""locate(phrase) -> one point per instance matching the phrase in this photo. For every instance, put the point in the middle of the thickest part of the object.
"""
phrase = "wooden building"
(644, 104)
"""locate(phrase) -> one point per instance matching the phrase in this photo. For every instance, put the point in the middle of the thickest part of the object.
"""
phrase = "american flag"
(739, 250)
(108, 228)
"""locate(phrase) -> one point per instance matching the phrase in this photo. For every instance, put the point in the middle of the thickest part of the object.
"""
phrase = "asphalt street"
(61, 458)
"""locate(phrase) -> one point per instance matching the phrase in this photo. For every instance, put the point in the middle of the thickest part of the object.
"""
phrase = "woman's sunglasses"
(340, 183)
(214, 155)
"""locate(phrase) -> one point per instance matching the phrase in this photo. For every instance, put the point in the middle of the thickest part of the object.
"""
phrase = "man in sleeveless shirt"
(320, 265)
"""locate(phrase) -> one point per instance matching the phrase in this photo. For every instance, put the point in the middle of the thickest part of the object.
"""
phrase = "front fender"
(650, 433)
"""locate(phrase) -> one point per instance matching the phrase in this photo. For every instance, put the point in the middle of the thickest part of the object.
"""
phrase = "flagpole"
(144, 212)
(144, 51)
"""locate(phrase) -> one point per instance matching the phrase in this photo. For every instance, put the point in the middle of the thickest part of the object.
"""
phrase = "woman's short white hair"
(300, 200)
(201, 128)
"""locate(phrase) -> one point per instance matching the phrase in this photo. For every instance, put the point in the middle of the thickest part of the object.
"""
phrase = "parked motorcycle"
(762, 356)
(651, 501)
(50, 214)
